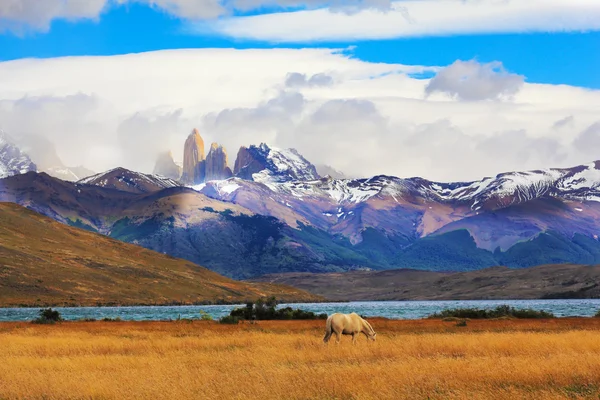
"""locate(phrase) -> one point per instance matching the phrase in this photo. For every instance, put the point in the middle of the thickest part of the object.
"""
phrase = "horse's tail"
(328, 330)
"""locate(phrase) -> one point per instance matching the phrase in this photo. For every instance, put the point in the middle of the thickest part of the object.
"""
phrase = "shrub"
(204, 316)
(265, 309)
(462, 322)
(48, 316)
(597, 315)
(106, 319)
(498, 312)
(229, 319)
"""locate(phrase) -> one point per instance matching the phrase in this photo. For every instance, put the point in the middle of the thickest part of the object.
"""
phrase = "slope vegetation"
(498, 283)
(43, 262)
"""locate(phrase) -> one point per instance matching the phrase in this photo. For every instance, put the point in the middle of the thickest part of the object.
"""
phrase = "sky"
(449, 90)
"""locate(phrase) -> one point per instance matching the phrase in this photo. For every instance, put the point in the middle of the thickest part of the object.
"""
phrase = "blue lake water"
(388, 309)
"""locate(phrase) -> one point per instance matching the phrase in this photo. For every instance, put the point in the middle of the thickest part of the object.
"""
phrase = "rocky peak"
(13, 160)
(249, 161)
(193, 155)
(165, 166)
(129, 181)
(263, 163)
(216, 164)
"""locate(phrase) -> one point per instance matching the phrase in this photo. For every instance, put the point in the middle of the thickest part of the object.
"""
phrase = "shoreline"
(174, 304)
(225, 303)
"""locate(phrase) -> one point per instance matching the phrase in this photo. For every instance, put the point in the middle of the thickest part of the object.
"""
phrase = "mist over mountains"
(275, 213)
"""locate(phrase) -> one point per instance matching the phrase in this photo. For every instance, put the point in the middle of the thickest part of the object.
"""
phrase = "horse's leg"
(353, 338)
(327, 336)
(338, 337)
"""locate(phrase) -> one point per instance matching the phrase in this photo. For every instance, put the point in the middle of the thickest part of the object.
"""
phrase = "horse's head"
(372, 336)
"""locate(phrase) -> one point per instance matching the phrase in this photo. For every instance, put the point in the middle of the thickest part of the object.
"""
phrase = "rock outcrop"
(193, 157)
(165, 166)
(129, 181)
(216, 164)
(13, 160)
(249, 162)
(263, 163)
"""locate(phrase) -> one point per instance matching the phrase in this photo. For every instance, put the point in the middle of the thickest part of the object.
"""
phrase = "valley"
(273, 213)
(564, 281)
(43, 262)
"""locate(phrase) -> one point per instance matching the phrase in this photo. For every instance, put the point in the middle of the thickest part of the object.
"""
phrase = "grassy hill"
(43, 262)
(565, 281)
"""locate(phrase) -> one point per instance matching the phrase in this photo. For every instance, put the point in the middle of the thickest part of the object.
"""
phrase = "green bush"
(204, 316)
(48, 316)
(265, 309)
(106, 319)
(597, 315)
(229, 319)
(498, 312)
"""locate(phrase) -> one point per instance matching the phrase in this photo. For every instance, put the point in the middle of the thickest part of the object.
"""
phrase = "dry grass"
(287, 360)
(43, 263)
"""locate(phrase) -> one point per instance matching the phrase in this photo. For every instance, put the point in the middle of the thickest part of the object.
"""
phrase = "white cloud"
(16, 14)
(23, 15)
(414, 18)
(348, 7)
(188, 9)
(104, 112)
(564, 122)
(145, 135)
(298, 80)
(589, 140)
(470, 80)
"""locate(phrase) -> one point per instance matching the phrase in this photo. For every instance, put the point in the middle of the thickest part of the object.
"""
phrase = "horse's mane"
(368, 325)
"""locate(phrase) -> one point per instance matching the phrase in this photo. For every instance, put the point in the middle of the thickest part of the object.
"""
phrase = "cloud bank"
(471, 80)
(414, 18)
(320, 20)
(358, 117)
(37, 15)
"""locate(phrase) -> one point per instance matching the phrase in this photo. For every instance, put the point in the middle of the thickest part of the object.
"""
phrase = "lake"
(388, 309)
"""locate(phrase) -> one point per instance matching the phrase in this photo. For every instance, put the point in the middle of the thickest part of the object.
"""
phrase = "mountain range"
(45, 263)
(275, 214)
(40, 156)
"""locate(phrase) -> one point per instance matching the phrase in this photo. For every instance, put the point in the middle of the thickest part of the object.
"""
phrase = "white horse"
(348, 324)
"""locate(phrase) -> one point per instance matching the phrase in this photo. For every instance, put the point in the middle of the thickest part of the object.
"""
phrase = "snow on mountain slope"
(410, 207)
(64, 173)
(129, 181)
(13, 161)
(271, 165)
(578, 183)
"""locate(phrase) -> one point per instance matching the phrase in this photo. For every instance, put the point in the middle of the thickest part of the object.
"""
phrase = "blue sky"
(571, 58)
(444, 89)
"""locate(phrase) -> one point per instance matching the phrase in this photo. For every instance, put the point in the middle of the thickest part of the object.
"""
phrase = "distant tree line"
(266, 309)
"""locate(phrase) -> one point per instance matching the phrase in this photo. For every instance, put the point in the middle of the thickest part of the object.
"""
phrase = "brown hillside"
(497, 283)
(43, 262)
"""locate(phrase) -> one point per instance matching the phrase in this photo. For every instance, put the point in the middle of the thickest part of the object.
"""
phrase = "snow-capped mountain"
(577, 183)
(271, 165)
(303, 222)
(129, 181)
(13, 161)
(416, 207)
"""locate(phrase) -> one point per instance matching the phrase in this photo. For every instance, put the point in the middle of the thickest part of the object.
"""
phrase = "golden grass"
(43, 263)
(287, 360)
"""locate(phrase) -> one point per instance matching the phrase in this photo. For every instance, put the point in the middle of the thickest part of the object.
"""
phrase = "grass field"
(428, 359)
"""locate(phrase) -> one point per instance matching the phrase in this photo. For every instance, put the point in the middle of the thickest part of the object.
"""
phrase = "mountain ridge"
(45, 263)
(322, 224)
